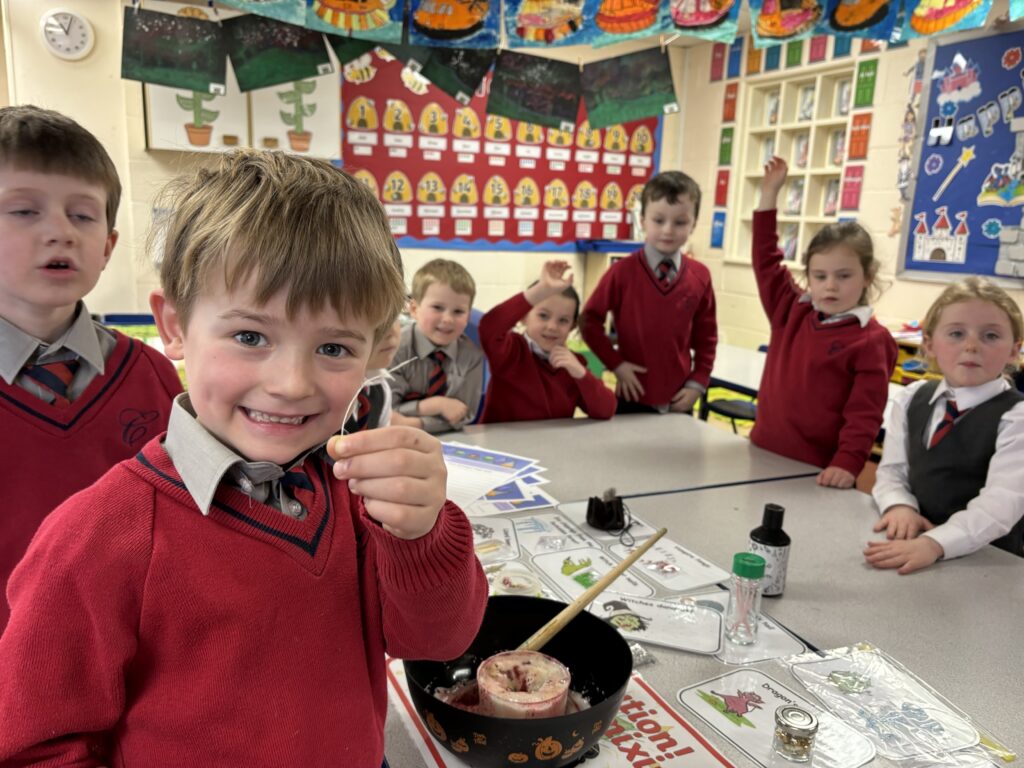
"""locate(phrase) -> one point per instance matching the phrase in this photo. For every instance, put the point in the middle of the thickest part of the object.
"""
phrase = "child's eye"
(993, 336)
(83, 217)
(955, 334)
(23, 212)
(332, 350)
(250, 339)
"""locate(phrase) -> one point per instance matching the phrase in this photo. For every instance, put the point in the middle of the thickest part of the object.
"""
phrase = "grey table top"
(957, 625)
(635, 454)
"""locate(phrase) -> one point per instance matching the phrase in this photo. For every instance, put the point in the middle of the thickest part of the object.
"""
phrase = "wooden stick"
(541, 637)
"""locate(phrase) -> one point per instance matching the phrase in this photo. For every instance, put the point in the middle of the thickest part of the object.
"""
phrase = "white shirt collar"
(862, 312)
(969, 397)
(655, 257)
(535, 348)
(18, 347)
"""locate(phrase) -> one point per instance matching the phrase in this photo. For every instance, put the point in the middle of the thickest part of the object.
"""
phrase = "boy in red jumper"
(534, 375)
(69, 387)
(663, 307)
(826, 379)
(227, 596)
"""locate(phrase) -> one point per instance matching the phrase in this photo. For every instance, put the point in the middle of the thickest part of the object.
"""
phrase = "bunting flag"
(709, 19)
(459, 71)
(265, 52)
(455, 23)
(379, 20)
(925, 18)
(177, 51)
(873, 19)
(536, 90)
(290, 11)
(775, 21)
(628, 88)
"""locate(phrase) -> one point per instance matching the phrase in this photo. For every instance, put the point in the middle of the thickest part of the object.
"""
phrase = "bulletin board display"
(451, 176)
(966, 208)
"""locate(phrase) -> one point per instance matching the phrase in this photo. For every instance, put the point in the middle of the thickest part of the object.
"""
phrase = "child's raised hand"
(775, 172)
(902, 522)
(627, 385)
(555, 275)
(684, 400)
(399, 472)
(562, 357)
(907, 556)
(836, 477)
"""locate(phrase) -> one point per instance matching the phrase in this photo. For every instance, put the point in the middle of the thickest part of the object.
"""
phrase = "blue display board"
(966, 208)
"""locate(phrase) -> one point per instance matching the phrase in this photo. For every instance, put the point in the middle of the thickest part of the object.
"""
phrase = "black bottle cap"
(772, 519)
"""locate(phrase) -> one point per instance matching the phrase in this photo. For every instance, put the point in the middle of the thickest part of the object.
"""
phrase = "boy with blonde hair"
(74, 396)
(227, 596)
(439, 390)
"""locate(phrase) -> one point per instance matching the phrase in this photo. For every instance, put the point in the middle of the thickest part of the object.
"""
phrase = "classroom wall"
(741, 319)
(93, 93)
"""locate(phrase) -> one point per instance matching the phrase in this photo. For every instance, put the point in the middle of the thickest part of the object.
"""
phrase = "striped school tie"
(665, 270)
(296, 483)
(54, 378)
(948, 419)
(437, 382)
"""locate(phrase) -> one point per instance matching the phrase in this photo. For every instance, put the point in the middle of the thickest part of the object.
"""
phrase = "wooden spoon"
(541, 637)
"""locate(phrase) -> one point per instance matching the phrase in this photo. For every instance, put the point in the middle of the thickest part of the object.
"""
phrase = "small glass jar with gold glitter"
(795, 729)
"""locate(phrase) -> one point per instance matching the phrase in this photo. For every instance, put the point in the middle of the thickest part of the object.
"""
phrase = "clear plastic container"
(795, 729)
(744, 611)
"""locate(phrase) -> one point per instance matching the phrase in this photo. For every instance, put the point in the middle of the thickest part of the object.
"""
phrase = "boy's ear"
(109, 248)
(168, 322)
(926, 345)
(414, 308)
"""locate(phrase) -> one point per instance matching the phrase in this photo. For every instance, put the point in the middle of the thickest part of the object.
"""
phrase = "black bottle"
(772, 543)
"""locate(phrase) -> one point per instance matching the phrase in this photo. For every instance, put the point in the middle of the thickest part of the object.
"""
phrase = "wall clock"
(67, 34)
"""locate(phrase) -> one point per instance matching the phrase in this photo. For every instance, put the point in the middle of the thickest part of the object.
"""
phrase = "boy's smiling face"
(267, 386)
(443, 314)
(54, 244)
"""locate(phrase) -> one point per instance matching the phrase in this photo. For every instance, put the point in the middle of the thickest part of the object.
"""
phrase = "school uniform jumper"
(59, 451)
(825, 385)
(672, 331)
(145, 633)
(524, 386)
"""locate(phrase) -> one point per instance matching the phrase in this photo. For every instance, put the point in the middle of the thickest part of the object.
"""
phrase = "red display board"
(448, 173)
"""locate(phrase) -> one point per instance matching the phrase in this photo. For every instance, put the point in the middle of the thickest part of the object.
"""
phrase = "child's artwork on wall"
(302, 117)
(449, 23)
(267, 52)
(1016, 9)
(458, 71)
(531, 23)
(709, 19)
(196, 121)
(540, 90)
(379, 20)
(935, 17)
(452, 175)
(860, 18)
(968, 190)
(291, 11)
(172, 50)
(628, 88)
(776, 21)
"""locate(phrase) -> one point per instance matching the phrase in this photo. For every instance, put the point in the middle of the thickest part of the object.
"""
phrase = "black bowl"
(595, 653)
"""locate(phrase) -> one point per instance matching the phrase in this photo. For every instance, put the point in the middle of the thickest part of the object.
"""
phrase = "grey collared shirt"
(464, 369)
(84, 340)
(655, 257)
(204, 462)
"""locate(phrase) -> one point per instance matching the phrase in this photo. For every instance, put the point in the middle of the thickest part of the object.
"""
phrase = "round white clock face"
(67, 34)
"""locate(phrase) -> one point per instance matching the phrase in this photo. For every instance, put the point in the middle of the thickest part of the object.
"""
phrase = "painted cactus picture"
(298, 137)
(200, 129)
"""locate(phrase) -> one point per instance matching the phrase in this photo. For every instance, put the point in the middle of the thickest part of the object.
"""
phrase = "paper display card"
(576, 570)
(473, 471)
(552, 532)
(495, 540)
(672, 566)
(741, 706)
(890, 706)
(672, 623)
(647, 727)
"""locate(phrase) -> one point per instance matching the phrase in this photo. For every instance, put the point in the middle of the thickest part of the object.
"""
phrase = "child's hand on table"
(905, 555)
(399, 472)
(627, 385)
(902, 522)
(684, 399)
(562, 357)
(836, 477)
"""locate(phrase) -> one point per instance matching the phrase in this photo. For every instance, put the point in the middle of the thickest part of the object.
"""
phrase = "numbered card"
(741, 706)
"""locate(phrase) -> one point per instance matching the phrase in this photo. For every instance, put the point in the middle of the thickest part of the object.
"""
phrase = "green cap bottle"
(747, 565)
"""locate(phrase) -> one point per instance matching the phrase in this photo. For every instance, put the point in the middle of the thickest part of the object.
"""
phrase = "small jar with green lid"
(744, 611)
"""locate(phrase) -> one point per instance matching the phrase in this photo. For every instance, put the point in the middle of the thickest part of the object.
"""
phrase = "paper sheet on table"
(643, 712)
(473, 471)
